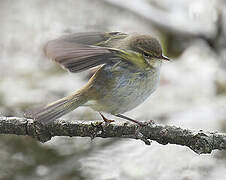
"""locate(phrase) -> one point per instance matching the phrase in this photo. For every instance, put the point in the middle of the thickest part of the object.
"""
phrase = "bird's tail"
(58, 108)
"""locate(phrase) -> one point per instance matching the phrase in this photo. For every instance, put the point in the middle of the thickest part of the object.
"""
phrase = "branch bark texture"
(199, 141)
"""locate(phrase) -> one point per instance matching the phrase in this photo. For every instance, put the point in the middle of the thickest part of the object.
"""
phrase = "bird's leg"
(127, 118)
(105, 119)
(138, 134)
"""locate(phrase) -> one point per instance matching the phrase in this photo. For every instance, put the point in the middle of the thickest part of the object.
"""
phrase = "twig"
(199, 141)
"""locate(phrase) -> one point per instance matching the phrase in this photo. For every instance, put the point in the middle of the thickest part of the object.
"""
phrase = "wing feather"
(78, 52)
(76, 57)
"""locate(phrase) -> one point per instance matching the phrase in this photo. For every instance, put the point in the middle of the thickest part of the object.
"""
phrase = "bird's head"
(149, 47)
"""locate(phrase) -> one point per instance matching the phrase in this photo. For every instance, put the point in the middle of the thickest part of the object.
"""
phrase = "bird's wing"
(92, 38)
(81, 51)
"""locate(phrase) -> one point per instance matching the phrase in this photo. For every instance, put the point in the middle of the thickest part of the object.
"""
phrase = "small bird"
(128, 75)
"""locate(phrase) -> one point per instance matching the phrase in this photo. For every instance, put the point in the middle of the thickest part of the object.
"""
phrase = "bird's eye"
(146, 55)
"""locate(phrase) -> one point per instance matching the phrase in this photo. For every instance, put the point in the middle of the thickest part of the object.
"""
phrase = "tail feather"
(57, 109)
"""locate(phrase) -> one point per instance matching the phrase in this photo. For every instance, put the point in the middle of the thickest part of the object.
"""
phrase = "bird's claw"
(97, 129)
(140, 136)
(107, 121)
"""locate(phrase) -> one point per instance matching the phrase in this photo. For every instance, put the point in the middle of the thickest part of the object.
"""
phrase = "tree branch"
(199, 141)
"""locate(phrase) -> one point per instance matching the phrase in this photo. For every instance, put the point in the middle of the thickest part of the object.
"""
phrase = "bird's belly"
(125, 91)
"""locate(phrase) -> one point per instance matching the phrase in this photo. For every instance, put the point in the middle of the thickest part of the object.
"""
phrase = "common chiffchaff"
(128, 75)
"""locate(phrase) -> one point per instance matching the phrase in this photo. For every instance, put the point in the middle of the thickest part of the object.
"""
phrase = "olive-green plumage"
(128, 75)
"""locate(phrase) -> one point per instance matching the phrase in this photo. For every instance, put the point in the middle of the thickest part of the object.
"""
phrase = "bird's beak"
(165, 58)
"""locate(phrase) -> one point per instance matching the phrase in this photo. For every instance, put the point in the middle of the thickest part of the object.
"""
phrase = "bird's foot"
(108, 121)
(151, 122)
(96, 129)
(139, 123)
(139, 135)
(129, 119)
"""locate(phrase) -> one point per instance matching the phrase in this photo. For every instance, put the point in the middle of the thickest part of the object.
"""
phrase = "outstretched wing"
(81, 51)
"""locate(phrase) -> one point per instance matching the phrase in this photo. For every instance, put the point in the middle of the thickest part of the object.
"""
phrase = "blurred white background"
(192, 92)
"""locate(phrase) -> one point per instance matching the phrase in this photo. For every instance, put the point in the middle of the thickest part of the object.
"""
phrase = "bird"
(128, 72)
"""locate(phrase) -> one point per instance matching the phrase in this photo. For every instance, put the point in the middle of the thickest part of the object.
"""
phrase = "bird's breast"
(121, 89)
